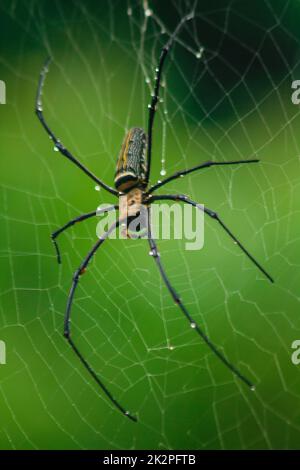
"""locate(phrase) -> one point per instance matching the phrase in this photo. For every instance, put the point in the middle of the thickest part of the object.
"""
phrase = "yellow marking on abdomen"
(125, 153)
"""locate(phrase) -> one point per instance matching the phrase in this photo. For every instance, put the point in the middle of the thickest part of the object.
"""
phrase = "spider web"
(226, 96)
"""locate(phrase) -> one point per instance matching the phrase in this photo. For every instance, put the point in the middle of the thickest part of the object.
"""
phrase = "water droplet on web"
(151, 253)
(129, 11)
(55, 148)
(171, 348)
(163, 172)
(252, 388)
(97, 188)
(147, 80)
(199, 53)
(193, 325)
(148, 12)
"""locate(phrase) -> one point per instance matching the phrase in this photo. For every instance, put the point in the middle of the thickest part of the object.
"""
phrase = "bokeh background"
(226, 95)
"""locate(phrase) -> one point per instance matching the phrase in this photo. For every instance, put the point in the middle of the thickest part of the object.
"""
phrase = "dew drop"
(97, 188)
(252, 388)
(55, 148)
(193, 325)
(147, 80)
(163, 172)
(171, 348)
(148, 12)
(151, 253)
(199, 53)
(129, 11)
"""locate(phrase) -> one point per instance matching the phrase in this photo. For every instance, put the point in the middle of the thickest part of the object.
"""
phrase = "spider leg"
(179, 174)
(154, 252)
(67, 330)
(82, 217)
(155, 96)
(58, 145)
(213, 215)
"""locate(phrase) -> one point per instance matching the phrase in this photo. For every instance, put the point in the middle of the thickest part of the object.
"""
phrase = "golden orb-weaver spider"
(131, 183)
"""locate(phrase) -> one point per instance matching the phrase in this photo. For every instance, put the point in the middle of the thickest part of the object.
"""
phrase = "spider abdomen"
(131, 166)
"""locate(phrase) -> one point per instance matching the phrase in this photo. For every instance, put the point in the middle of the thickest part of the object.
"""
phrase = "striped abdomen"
(132, 166)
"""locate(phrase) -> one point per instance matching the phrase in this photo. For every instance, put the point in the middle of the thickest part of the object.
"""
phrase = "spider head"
(132, 165)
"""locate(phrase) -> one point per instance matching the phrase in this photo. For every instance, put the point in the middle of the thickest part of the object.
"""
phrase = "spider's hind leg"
(155, 96)
(58, 144)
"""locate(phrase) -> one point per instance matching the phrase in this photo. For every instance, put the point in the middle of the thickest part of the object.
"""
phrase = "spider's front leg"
(215, 216)
(67, 329)
(154, 252)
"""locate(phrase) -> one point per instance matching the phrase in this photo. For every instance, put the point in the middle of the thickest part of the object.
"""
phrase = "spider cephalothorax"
(131, 182)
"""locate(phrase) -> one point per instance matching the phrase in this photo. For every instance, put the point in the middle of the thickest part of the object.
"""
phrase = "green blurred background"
(232, 103)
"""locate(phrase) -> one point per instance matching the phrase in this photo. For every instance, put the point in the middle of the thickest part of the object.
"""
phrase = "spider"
(132, 188)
